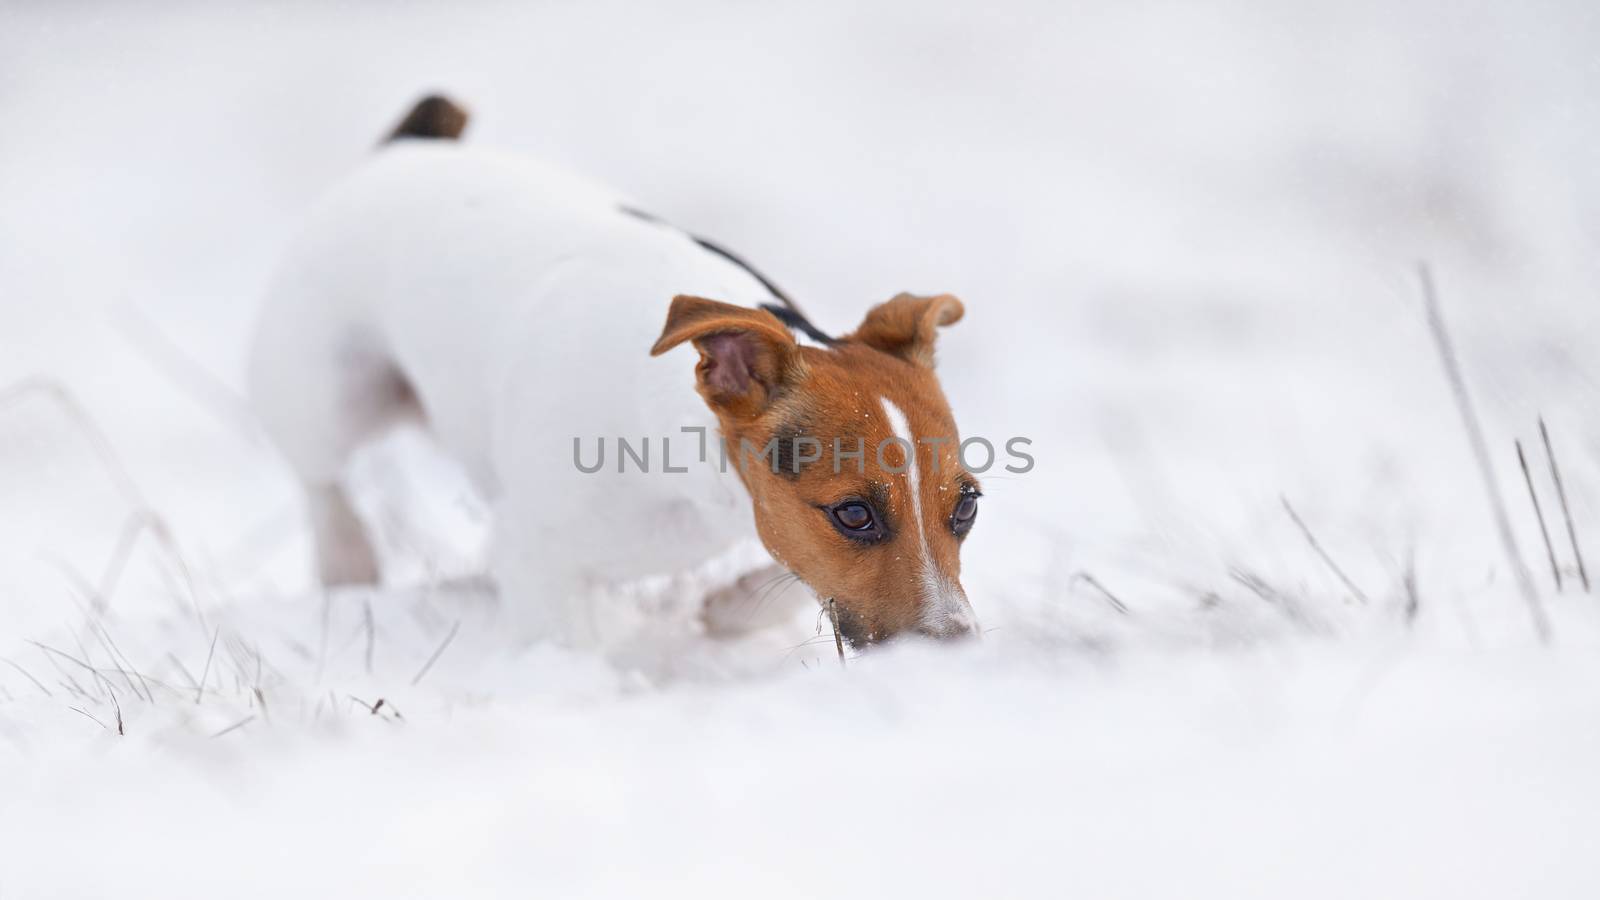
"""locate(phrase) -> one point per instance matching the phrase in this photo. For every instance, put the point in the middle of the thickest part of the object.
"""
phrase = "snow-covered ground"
(1186, 235)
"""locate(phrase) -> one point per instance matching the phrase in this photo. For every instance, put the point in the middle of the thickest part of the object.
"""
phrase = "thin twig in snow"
(838, 638)
(188, 375)
(436, 653)
(158, 529)
(72, 687)
(89, 717)
(1561, 492)
(235, 726)
(183, 670)
(372, 632)
(66, 680)
(378, 707)
(111, 575)
(144, 517)
(117, 656)
(52, 653)
(1279, 600)
(58, 395)
(1110, 598)
(1409, 580)
(205, 673)
(28, 675)
(1538, 513)
(322, 641)
(1480, 450)
(1317, 546)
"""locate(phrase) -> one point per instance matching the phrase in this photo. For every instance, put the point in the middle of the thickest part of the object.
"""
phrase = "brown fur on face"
(805, 403)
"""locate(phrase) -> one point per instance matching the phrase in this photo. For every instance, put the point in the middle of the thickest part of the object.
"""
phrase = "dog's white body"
(513, 308)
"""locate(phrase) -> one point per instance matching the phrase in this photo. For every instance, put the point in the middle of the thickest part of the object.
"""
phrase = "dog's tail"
(434, 116)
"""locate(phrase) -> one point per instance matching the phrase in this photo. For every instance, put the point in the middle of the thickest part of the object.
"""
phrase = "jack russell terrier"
(508, 307)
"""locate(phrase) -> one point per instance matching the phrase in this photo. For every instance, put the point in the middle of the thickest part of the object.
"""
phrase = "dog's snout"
(951, 624)
(946, 612)
(950, 633)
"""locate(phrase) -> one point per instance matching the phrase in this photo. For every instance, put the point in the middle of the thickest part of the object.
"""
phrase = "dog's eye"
(855, 520)
(965, 514)
(853, 516)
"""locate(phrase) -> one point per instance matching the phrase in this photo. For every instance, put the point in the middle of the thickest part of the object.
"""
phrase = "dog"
(508, 308)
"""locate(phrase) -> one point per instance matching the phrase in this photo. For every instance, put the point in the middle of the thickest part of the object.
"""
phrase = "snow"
(1185, 236)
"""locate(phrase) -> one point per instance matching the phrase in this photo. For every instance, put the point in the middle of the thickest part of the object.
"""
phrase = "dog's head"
(850, 455)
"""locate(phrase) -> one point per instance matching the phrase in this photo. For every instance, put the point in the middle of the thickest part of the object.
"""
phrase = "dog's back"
(508, 306)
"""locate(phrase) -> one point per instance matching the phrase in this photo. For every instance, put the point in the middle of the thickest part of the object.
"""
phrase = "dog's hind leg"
(345, 555)
(321, 396)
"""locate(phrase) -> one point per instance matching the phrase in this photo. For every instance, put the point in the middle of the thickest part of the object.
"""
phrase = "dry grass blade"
(322, 640)
(1317, 546)
(200, 689)
(55, 394)
(165, 540)
(372, 632)
(1272, 596)
(182, 670)
(838, 637)
(1566, 511)
(140, 523)
(28, 675)
(188, 375)
(1538, 513)
(1409, 580)
(1110, 598)
(52, 654)
(1480, 451)
(235, 726)
(377, 709)
(111, 575)
(120, 659)
(86, 715)
(436, 653)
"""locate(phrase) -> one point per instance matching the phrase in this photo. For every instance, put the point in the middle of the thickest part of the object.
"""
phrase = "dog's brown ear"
(908, 325)
(746, 355)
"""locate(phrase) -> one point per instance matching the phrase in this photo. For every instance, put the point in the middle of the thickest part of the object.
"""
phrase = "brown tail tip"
(434, 116)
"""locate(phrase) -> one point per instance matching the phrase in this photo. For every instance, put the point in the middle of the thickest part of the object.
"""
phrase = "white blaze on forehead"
(902, 431)
(945, 609)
